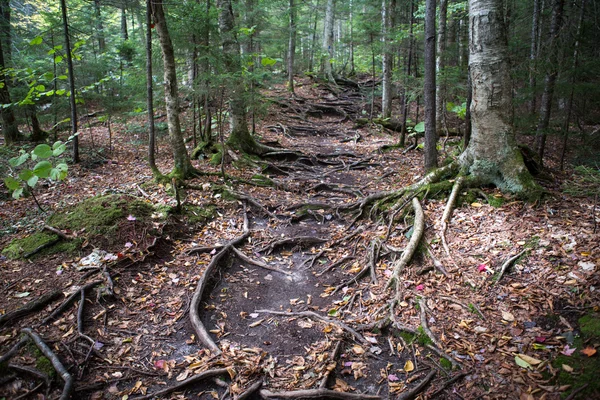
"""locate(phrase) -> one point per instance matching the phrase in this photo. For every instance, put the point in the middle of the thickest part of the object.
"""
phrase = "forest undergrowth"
(290, 281)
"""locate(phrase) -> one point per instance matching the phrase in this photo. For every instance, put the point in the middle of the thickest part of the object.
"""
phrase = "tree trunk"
(313, 44)
(492, 155)
(327, 47)
(535, 26)
(124, 32)
(429, 88)
(150, 92)
(99, 27)
(10, 128)
(550, 79)
(183, 167)
(440, 90)
(75, 143)
(388, 8)
(408, 64)
(292, 46)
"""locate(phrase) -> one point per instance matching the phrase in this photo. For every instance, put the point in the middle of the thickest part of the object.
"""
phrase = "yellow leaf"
(358, 350)
(476, 205)
(567, 368)
(530, 360)
(409, 366)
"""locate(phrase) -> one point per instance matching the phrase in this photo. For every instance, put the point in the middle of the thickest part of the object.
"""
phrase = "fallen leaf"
(567, 368)
(507, 316)
(589, 351)
(183, 376)
(22, 294)
(476, 205)
(409, 366)
(358, 350)
(522, 363)
(420, 287)
(393, 378)
(529, 360)
(567, 351)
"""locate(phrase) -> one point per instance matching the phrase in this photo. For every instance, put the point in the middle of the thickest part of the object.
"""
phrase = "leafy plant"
(459, 109)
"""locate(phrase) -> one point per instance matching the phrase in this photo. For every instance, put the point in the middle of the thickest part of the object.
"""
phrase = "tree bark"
(10, 128)
(492, 155)
(124, 32)
(150, 92)
(74, 128)
(388, 8)
(99, 27)
(440, 88)
(292, 46)
(183, 167)
(429, 88)
(327, 47)
(550, 79)
(535, 26)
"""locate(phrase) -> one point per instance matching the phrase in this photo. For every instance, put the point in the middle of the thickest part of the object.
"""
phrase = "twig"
(80, 318)
(57, 232)
(310, 314)
(29, 392)
(194, 379)
(331, 368)
(508, 263)
(412, 393)
(258, 263)
(361, 274)
(317, 394)
(576, 391)
(65, 304)
(32, 306)
(373, 257)
(66, 377)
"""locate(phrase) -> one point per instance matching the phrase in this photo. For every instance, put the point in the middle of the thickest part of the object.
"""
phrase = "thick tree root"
(317, 394)
(32, 306)
(60, 369)
(258, 263)
(180, 385)
(69, 300)
(309, 314)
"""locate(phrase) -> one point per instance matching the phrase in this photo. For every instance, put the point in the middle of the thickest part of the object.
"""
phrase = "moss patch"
(199, 214)
(585, 368)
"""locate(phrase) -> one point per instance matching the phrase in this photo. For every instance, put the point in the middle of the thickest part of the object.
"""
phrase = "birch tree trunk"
(183, 167)
(292, 46)
(492, 154)
(550, 79)
(429, 88)
(387, 10)
(327, 47)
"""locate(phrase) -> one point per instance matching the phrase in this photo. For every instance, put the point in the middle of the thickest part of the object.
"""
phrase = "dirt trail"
(310, 312)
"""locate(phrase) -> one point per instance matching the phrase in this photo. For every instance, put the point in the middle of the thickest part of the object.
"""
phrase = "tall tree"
(10, 128)
(492, 154)
(99, 27)
(439, 66)
(327, 46)
(533, 52)
(550, 79)
(388, 9)
(72, 100)
(183, 167)
(429, 88)
(291, 46)
(150, 92)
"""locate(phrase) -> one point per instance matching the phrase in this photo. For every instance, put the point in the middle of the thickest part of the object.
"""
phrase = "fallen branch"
(32, 306)
(507, 264)
(310, 314)
(316, 394)
(412, 393)
(258, 263)
(60, 369)
(57, 232)
(179, 385)
(411, 248)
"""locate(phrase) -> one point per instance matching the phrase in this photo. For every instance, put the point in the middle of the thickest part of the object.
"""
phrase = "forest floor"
(300, 308)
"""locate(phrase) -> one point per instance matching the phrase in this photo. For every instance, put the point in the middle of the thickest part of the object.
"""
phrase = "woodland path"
(300, 308)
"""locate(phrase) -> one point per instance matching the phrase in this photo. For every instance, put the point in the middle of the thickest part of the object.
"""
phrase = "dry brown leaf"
(589, 351)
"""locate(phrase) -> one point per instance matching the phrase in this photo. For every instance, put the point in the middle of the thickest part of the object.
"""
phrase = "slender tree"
(388, 9)
(429, 88)
(292, 46)
(150, 92)
(183, 167)
(10, 128)
(439, 67)
(74, 128)
(327, 46)
(535, 26)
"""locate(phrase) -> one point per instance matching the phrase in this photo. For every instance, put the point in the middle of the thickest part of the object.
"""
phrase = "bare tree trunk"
(10, 128)
(535, 26)
(492, 155)
(150, 92)
(430, 148)
(183, 167)
(292, 46)
(550, 79)
(124, 32)
(313, 45)
(327, 47)
(573, 76)
(99, 27)
(75, 143)
(440, 89)
(407, 73)
(388, 8)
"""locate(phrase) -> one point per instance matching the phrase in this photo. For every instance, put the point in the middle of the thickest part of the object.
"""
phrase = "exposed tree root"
(296, 241)
(60, 369)
(81, 307)
(448, 211)
(339, 262)
(258, 263)
(250, 391)
(412, 393)
(448, 383)
(68, 301)
(32, 306)
(310, 314)
(507, 264)
(14, 350)
(331, 367)
(317, 394)
(180, 385)
(424, 325)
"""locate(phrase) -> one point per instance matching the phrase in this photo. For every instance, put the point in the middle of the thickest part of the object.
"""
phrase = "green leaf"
(63, 78)
(420, 127)
(62, 167)
(55, 174)
(17, 193)
(522, 363)
(11, 183)
(32, 181)
(42, 169)
(60, 92)
(48, 76)
(57, 144)
(25, 174)
(268, 61)
(40, 88)
(43, 151)
(58, 59)
(16, 161)
(36, 40)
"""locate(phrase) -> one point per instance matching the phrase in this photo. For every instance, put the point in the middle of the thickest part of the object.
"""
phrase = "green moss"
(199, 214)
(262, 180)
(407, 336)
(422, 337)
(496, 201)
(585, 368)
(446, 364)
(19, 247)
(216, 158)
